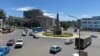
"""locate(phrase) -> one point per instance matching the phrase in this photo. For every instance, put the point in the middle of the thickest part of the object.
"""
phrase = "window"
(89, 22)
(96, 25)
(84, 22)
(95, 22)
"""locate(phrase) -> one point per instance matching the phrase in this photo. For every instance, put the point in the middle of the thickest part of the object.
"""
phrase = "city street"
(40, 47)
(36, 47)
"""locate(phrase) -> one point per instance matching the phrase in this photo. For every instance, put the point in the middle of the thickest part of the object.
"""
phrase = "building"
(1, 23)
(45, 21)
(32, 14)
(92, 24)
(2, 14)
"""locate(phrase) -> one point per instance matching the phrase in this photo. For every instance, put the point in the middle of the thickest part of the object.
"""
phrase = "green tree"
(65, 24)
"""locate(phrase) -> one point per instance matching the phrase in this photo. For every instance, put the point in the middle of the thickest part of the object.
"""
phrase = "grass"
(62, 35)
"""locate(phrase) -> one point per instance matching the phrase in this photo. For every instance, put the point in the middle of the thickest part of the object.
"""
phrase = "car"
(75, 30)
(35, 36)
(93, 36)
(75, 54)
(68, 41)
(19, 43)
(11, 42)
(54, 49)
(31, 33)
(4, 50)
(24, 33)
(26, 30)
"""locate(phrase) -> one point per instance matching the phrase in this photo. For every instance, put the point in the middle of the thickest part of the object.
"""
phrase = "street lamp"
(79, 22)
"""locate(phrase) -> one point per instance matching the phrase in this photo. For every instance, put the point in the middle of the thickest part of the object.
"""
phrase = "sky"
(77, 8)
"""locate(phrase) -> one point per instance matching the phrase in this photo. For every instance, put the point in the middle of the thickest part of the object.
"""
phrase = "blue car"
(4, 50)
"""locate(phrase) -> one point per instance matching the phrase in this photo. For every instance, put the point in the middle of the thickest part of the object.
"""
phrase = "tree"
(65, 24)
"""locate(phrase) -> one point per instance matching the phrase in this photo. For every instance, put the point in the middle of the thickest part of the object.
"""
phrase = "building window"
(84, 22)
(96, 25)
(95, 22)
(89, 22)
(90, 25)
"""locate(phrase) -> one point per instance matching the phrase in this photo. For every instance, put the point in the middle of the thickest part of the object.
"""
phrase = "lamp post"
(79, 22)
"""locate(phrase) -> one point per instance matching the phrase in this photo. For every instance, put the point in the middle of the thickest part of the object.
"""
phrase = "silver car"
(68, 41)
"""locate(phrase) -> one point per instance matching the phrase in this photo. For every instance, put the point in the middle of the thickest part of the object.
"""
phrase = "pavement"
(41, 46)
(36, 47)
(40, 34)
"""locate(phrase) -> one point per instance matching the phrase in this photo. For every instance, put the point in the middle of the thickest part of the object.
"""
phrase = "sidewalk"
(40, 34)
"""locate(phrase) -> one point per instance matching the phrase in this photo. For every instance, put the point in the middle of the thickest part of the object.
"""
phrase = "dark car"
(75, 30)
(31, 33)
(54, 49)
(11, 42)
(35, 36)
(68, 41)
(4, 50)
(93, 36)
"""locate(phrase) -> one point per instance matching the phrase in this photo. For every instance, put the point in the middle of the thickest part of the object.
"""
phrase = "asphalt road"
(40, 47)
(36, 47)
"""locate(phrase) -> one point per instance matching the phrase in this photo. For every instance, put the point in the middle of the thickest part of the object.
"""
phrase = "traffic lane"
(5, 37)
(41, 46)
(14, 35)
(94, 48)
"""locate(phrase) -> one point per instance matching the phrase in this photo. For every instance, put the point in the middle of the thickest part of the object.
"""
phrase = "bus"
(37, 29)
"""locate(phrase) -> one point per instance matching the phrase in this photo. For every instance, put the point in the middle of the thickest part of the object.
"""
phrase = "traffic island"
(50, 35)
(62, 35)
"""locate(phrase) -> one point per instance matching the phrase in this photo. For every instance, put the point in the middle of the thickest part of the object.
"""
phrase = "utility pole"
(79, 25)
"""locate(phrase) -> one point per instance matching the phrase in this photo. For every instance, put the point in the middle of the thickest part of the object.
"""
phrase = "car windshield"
(19, 41)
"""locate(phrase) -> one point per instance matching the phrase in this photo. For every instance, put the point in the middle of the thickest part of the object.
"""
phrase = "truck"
(84, 42)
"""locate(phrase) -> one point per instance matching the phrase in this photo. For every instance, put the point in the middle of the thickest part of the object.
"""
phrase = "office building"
(45, 21)
(92, 24)
(32, 14)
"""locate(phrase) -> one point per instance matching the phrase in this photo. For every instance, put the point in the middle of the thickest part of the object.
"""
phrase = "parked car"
(10, 42)
(68, 41)
(35, 36)
(4, 50)
(31, 33)
(54, 49)
(24, 33)
(19, 43)
(93, 36)
(75, 54)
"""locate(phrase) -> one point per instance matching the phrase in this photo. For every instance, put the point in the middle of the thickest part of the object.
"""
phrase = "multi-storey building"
(2, 14)
(37, 14)
(92, 24)
(32, 14)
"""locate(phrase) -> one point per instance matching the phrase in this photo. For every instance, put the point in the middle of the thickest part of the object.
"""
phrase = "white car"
(75, 54)
(19, 43)
(24, 33)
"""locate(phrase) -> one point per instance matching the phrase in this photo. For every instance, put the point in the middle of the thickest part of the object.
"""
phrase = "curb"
(41, 35)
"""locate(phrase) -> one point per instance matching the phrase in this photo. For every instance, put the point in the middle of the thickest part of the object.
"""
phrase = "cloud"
(50, 14)
(84, 16)
(23, 8)
(53, 15)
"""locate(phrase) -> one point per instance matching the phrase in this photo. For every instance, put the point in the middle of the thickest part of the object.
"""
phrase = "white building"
(92, 24)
